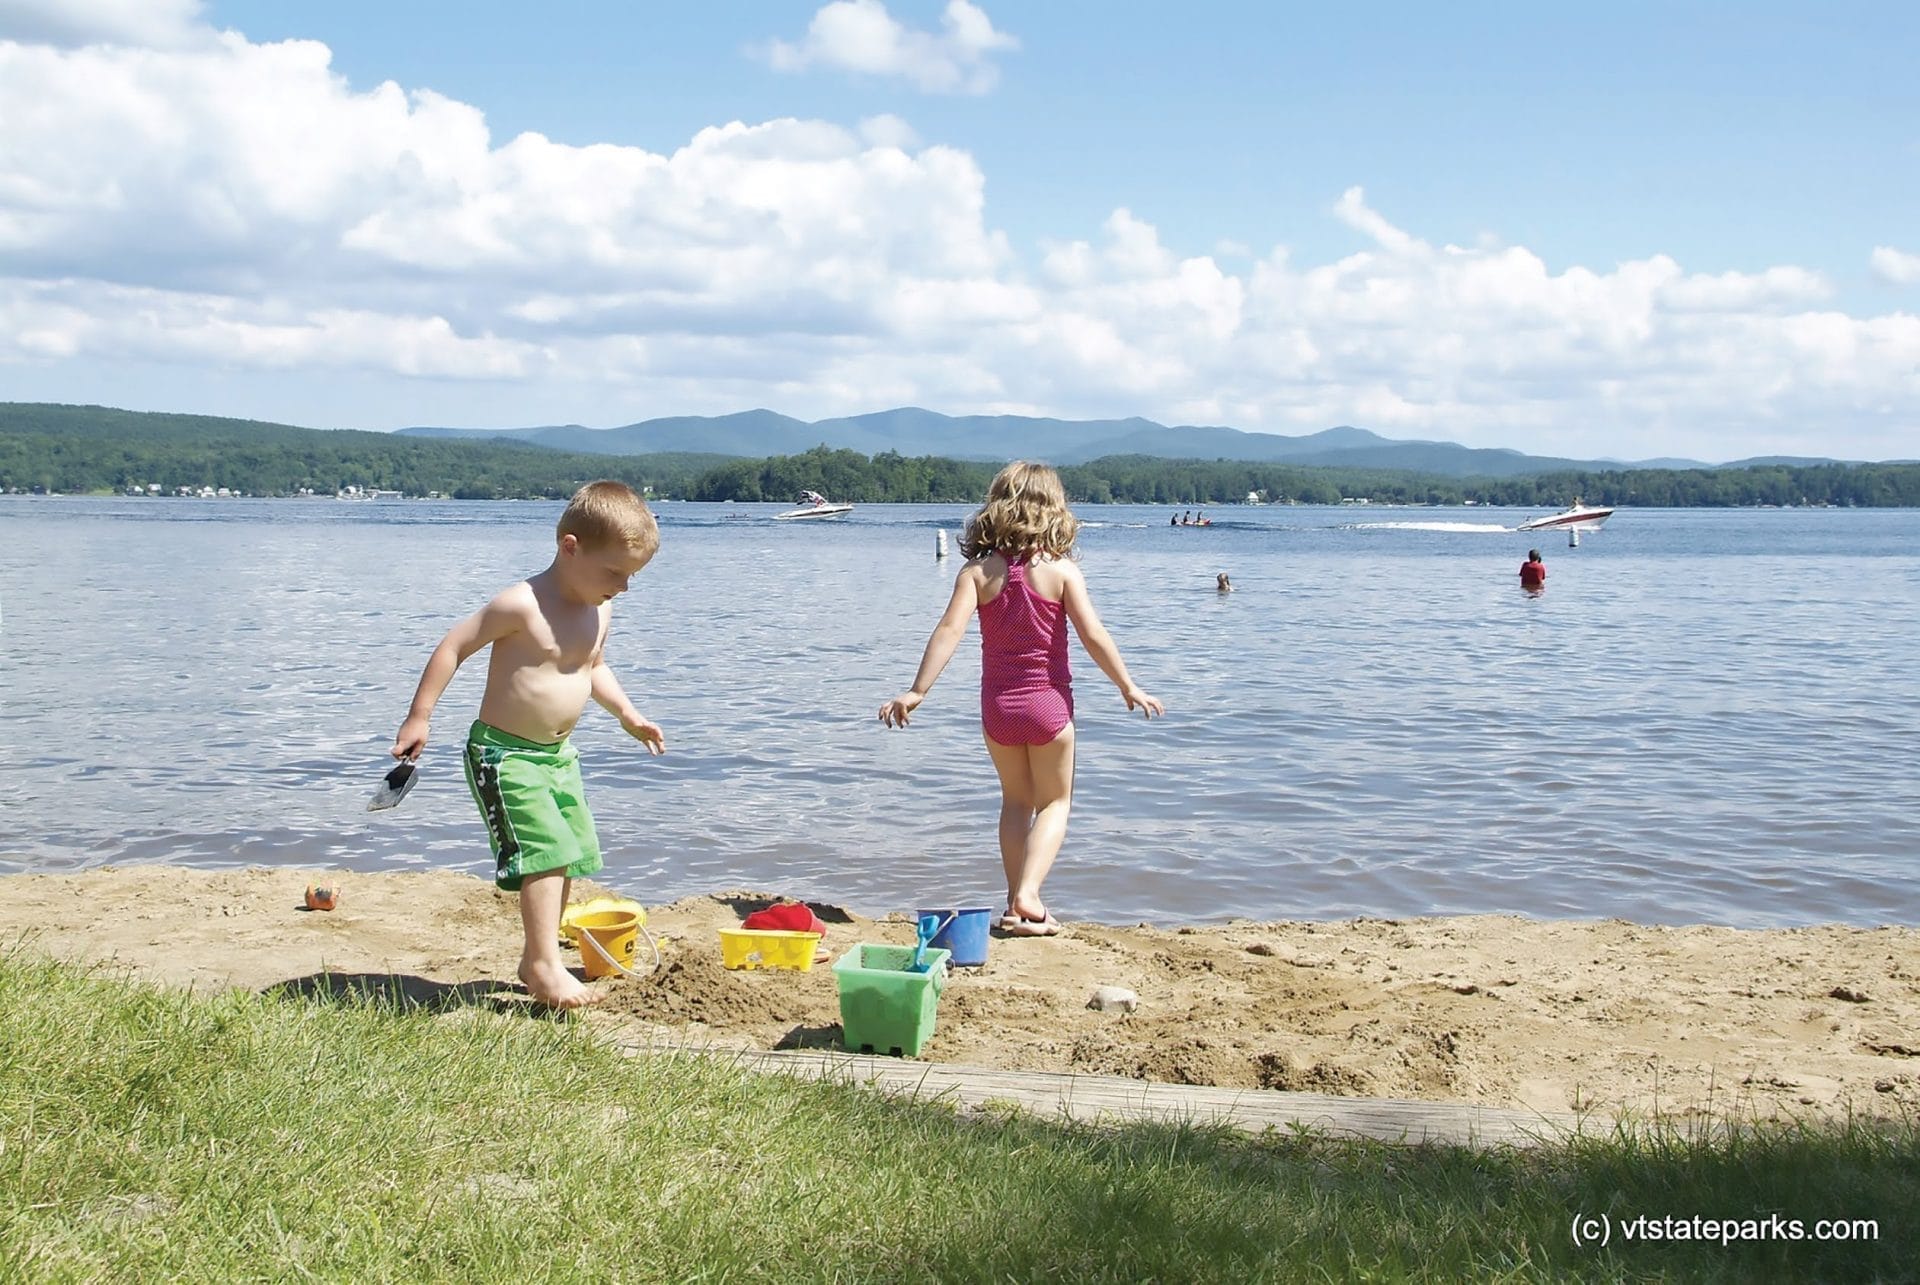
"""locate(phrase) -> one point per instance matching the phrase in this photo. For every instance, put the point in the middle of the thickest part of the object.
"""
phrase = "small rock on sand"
(1107, 998)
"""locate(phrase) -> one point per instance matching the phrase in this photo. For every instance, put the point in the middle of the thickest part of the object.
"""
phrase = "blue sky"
(1648, 230)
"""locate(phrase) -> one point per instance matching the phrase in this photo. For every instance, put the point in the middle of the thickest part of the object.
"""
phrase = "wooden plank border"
(1117, 1099)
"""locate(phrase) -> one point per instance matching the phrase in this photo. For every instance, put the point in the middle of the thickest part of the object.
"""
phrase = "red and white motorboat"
(1581, 517)
(813, 505)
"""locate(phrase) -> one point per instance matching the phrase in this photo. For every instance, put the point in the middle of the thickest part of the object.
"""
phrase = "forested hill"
(1139, 479)
(82, 449)
(78, 449)
(912, 431)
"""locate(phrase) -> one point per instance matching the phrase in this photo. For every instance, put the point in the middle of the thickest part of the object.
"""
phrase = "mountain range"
(912, 431)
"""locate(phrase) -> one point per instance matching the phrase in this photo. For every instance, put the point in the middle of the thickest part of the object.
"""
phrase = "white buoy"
(1573, 537)
(940, 544)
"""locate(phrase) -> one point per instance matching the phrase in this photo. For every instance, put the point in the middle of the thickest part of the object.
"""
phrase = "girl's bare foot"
(551, 984)
(1028, 908)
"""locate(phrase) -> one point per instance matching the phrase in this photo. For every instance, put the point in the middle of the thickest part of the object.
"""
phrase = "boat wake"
(1481, 527)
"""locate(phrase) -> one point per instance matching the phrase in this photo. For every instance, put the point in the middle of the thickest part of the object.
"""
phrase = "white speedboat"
(814, 505)
(1581, 517)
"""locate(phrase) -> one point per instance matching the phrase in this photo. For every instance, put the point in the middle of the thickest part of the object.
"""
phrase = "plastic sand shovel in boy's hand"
(395, 787)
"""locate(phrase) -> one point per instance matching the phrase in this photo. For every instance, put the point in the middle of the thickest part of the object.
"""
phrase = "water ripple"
(1706, 717)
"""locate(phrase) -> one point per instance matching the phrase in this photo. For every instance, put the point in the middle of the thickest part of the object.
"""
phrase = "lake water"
(1708, 716)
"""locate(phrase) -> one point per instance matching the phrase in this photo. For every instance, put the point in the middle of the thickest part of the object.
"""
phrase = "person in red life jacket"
(1533, 572)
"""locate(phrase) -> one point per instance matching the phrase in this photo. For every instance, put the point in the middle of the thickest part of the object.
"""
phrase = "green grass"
(150, 1135)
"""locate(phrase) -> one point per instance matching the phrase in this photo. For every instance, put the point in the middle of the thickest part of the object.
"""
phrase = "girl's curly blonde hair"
(1025, 514)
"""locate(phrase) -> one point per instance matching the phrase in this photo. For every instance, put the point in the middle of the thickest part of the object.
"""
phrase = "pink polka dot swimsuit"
(1026, 689)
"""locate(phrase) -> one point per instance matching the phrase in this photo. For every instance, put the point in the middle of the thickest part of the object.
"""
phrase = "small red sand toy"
(322, 897)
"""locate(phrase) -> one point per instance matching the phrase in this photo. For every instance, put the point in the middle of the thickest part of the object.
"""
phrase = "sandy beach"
(1607, 1015)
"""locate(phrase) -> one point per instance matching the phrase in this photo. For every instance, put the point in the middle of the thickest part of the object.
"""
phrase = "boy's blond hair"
(607, 513)
(1025, 514)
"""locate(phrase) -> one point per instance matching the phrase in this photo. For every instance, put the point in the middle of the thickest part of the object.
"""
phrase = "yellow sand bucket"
(606, 940)
(572, 913)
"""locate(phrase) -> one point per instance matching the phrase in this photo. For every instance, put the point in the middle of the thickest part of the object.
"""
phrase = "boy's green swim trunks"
(530, 797)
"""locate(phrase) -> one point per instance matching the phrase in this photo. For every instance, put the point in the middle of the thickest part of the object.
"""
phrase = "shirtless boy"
(547, 633)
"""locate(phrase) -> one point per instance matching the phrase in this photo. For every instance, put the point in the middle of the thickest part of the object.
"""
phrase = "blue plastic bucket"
(965, 933)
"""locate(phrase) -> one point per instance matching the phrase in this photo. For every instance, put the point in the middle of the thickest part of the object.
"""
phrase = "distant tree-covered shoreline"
(90, 449)
(1137, 479)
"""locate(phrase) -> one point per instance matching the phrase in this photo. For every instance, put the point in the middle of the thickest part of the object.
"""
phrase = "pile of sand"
(1490, 1009)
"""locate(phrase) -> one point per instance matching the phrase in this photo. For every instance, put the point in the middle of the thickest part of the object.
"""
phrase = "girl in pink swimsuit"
(1026, 688)
(1021, 578)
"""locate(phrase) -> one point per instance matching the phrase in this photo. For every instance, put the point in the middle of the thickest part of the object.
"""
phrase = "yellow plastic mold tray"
(765, 948)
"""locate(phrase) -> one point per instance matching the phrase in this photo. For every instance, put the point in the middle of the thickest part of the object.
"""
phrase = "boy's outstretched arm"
(946, 636)
(1099, 644)
(492, 622)
(610, 696)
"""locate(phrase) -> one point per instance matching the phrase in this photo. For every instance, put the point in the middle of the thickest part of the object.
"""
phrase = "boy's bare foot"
(551, 984)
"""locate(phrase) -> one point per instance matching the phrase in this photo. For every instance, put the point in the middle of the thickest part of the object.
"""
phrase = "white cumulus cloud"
(236, 215)
(887, 130)
(861, 36)
(1897, 266)
(149, 23)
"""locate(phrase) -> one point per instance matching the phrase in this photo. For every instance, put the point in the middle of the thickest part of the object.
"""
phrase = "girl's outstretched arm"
(1099, 643)
(946, 636)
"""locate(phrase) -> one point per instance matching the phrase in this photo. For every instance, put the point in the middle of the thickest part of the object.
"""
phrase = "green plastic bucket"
(884, 1007)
